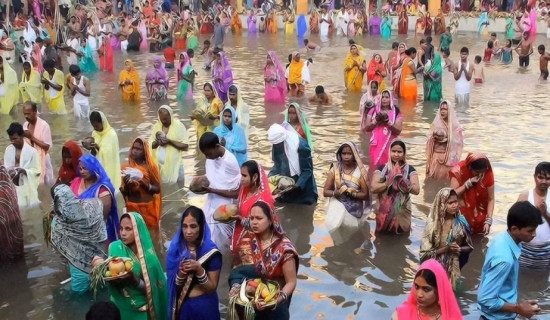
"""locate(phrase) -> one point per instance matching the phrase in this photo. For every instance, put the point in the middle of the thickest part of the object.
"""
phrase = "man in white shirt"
(73, 46)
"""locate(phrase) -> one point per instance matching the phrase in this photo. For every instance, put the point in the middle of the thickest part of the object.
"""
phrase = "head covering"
(279, 69)
(235, 138)
(94, 167)
(222, 71)
(150, 162)
(303, 122)
(296, 74)
(106, 126)
(181, 67)
(11, 226)
(159, 72)
(147, 266)
(436, 217)
(78, 231)
(178, 251)
(68, 172)
(447, 300)
(278, 134)
(356, 158)
(392, 113)
(453, 131)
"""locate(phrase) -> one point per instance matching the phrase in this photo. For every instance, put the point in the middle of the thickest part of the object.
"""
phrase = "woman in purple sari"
(274, 77)
(251, 22)
(374, 24)
(157, 81)
(222, 76)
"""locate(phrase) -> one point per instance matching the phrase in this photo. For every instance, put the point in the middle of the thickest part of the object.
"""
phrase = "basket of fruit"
(111, 269)
(226, 212)
(251, 293)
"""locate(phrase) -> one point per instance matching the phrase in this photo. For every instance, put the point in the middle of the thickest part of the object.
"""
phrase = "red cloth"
(170, 55)
(475, 200)
(68, 172)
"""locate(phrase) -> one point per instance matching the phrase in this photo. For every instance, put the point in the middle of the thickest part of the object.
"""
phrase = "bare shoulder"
(523, 196)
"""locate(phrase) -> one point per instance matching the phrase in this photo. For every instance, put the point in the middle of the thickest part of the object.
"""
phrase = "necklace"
(270, 241)
(348, 173)
(437, 315)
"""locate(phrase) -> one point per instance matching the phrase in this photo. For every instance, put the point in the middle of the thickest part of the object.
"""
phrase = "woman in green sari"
(433, 90)
(143, 295)
(186, 78)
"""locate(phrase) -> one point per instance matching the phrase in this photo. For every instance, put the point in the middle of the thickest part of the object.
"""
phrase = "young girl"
(488, 51)
(506, 55)
(479, 74)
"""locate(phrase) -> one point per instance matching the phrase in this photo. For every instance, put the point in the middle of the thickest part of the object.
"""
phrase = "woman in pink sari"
(274, 77)
(142, 28)
(431, 294)
(385, 122)
(396, 66)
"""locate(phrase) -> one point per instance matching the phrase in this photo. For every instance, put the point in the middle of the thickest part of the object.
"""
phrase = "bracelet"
(149, 187)
(203, 274)
(283, 295)
(489, 221)
(179, 280)
(468, 184)
(203, 279)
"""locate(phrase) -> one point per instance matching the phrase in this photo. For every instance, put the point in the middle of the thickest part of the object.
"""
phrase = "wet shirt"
(219, 34)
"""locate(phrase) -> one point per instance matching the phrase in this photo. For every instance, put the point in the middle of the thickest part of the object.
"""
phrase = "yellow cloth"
(295, 71)
(31, 87)
(54, 98)
(130, 92)
(239, 6)
(108, 154)
(172, 167)
(354, 77)
(213, 108)
(302, 7)
(11, 96)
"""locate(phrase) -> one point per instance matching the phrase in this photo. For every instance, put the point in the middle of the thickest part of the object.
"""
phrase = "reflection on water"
(354, 279)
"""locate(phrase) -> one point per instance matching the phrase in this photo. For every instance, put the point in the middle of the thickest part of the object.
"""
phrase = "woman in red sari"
(428, 24)
(70, 154)
(377, 71)
(473, 181)
(403, 23)
(254, 187)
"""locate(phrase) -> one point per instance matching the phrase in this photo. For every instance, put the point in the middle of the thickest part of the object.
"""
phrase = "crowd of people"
(86, 224)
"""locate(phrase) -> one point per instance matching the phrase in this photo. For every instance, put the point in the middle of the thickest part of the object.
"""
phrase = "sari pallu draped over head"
(78, 230)
(150, 210)
(373, 67)
(130, 91)
(344, 182)
(446, 297)
(108, 154)
(475, 201)
(177, 252)
(31, 87)
(276, 89)
(298, 71)
(157, 75)
(185, 88)
(453, 132)
(94, 168)
(247, 200)
(278, 134)
(382, 135)
(235, 137)
(432, 241)
(354, 76)
(68, 172)
(367, 98)
(10, 86)
(433, 89)
(395, 71)
(305, 132)
(173, 161)
(133, 301)
(222, 76)
(11, 226)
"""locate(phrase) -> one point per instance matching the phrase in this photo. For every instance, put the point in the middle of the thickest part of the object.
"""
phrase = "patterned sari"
(157, 81)
(433, 90)
(222, 76)
(382, 135)
(304, 130)
(207, 110)
(132, 301)
(434, 238)
(11, 226)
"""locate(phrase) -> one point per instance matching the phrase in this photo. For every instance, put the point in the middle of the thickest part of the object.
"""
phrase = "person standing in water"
(544, 58)
(80, 90)
(39, 136)
(463, 74)
(524, 50)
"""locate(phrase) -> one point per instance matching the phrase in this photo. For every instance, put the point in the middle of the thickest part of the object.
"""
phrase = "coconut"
(198, 184)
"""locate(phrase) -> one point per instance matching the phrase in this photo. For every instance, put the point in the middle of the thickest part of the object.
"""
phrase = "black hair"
(542, 168)
(50, 63)
(465, 50)
(479, 164)
(209, 140)
(103, 310)
(208, 84)
(399, 143)
(477, 59)
(216, 50)
(233, 89)
(429, 39)
(95, 117)
(395, 45)
(74, 69)
(422, 41)
(261, 18)
(541, 47)
(39, 40)
(218, 19)
(411, 50)
(490, 44)
(351, 42)
(522, 215)
(33, 105)
(493, 34)
(198, 214)
(207, 42)
(446, 51)
(15, 128)
(169, 42)
(376, 82)
(429, 276)
(306, 41)
(28, 64)
(319, 90)
(290, 57)
(252, 168)
(266, 209)
(190, 52)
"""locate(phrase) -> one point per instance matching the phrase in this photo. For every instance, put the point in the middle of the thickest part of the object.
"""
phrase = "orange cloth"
(150, 210)
(236, 23)
(408, 87)
(130, 92)
(295, 71)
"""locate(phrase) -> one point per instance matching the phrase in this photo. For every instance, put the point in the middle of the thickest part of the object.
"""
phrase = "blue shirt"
(499, 278)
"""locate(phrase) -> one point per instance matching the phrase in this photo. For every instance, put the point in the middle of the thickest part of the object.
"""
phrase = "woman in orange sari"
(377, 71)
(272, 22)
(141, 183)
(314, 22)
(439, 23)
(474, 183)
(428, 23)
(236, 23)
(408, 87)
(129, 82)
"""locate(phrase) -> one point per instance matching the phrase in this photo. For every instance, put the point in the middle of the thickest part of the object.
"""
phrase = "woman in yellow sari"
(288, 19)
(129, 82)
(408, 87)
(9, 86)
(105, 146)
(206, 116)
(30, 85)
(272, 22)
(54, 87)
(354, 69)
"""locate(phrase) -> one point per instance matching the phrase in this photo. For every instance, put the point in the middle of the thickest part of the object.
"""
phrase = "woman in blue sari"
(92, 182)
(193, 265)
(385, 26)
(232, 135)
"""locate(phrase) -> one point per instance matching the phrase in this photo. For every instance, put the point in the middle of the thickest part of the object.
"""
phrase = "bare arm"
(491, 202)
(107, 203)
(86, 91)
(289, 272)
(178, 145)
(328, 189)
(370, 125)
(378, 186)
(39, 143)
(232, 194)
(459, 189)
(397, 126)
(469, 73)
(415, 185)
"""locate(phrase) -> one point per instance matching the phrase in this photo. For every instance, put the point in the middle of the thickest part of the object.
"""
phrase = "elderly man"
(38, 135)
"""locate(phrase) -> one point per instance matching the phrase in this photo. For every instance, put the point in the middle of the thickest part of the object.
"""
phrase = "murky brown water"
(506, 120)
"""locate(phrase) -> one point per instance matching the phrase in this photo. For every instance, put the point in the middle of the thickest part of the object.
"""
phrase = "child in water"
(505, 52)
(488, 51)
(261, 25)
(320, 97)
(206, 50)
(544, 58)
(479, 74)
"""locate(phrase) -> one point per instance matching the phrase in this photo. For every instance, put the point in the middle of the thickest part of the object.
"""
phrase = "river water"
(342, 282)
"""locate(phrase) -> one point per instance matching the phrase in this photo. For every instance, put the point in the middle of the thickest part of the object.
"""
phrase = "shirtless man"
(524, 50)
(421, 53)
(311, 46)
(449, 64)
(544, 58)
(321, 97)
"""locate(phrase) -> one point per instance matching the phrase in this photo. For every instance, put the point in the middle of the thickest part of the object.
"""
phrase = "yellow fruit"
(108, 273)
(128, 265)
(265, 292)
